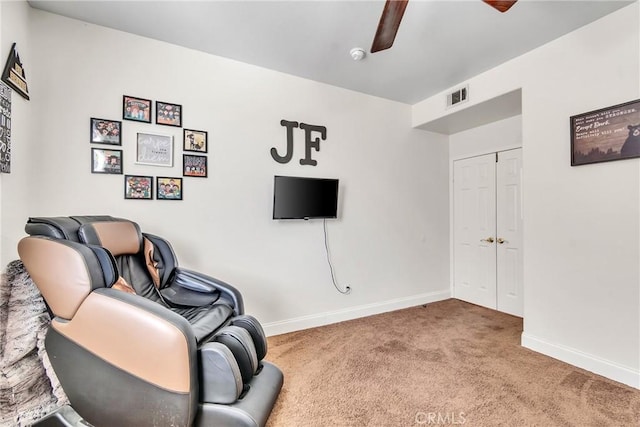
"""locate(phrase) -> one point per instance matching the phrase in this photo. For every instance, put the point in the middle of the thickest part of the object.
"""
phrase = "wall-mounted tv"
(304, 198)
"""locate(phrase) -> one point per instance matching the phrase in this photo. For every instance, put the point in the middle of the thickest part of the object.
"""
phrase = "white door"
(509, 231)
(474, 208)
(487, 231)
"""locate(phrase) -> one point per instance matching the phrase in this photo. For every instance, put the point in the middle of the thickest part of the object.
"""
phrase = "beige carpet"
(447, 363)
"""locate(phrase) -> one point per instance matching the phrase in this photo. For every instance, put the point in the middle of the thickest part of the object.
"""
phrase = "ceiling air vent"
(458, 96)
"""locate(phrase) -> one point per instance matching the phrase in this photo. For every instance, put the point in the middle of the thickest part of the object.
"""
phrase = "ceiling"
(439, 44)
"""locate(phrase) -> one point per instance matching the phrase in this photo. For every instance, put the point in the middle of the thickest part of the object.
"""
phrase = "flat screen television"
(304, 198)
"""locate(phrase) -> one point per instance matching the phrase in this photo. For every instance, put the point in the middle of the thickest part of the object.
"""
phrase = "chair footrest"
(64, 416)
(253, 409)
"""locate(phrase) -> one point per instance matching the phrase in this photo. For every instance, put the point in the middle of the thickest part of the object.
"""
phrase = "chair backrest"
(66, 272)
(121, 237)
(124, 240)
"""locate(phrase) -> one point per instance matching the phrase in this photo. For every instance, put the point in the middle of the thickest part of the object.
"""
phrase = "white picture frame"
(153, 149)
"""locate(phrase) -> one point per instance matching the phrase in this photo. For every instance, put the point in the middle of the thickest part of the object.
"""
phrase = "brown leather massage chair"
(136, 340)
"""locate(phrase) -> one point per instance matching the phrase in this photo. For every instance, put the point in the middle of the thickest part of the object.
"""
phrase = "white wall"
(390, 243)
(581, 224)
(502, 135)
(17, 187)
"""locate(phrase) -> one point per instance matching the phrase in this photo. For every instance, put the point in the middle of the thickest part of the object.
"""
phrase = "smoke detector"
(357, 53)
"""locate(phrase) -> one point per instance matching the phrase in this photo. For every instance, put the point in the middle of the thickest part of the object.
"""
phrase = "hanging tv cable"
(347, 289)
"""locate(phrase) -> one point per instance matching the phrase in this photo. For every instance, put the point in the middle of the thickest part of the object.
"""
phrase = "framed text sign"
(5, 128)
(611, 133)
(155, 150)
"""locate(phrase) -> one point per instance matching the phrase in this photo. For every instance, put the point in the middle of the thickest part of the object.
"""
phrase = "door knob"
(501, 240)
(488, 240)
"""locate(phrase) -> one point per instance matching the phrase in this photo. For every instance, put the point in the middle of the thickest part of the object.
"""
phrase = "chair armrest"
(177, 295)
(125, 319)
(188, 290)
(199, 282)
(129, 351)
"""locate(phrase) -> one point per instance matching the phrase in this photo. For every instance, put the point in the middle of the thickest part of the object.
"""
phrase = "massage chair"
(135, 340)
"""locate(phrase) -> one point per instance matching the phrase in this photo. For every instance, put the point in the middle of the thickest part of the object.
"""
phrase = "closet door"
(487, 231)
(509, 232)
(474, 207)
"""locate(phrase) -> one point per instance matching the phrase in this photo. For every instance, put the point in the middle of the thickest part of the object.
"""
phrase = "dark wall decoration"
(309, 142)
(168, 114)
(136, 109)
(611, 133)
(14, 75)
(151, 149)
(103, 131)
(5, 128)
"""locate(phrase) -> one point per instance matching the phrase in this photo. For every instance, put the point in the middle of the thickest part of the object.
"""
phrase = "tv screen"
(303, 198)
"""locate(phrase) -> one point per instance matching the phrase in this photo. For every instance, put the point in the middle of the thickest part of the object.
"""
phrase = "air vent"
(458, 96)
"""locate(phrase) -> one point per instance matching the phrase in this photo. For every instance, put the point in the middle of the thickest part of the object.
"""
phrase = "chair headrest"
(61, 227)
(121, 237)
(66, 272)
(58, 227)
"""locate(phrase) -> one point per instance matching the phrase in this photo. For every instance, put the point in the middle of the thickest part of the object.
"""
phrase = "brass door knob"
(488, 240)
(501, 240)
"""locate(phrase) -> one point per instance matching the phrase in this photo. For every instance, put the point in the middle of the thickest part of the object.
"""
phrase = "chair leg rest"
(253, 409)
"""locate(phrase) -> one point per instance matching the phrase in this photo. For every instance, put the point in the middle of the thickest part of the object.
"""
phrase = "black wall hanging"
(309, 142)
(13, 74)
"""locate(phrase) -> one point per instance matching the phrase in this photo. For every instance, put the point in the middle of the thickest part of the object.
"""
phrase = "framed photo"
(154, 150)
(168, 114)
(106, 131)
(136, 109)
(106, 161)
(611, 133)
(138, 187)
(168, 188)
(194, 165)
(195, 140)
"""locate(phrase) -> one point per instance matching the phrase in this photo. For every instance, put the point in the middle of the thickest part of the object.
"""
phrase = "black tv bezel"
(273, 213)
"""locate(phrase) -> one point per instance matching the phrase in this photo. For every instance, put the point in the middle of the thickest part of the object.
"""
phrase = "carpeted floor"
(447, 363)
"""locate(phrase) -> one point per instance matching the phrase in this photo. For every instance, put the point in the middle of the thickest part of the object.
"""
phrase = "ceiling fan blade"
(388, 25)
(502, 6)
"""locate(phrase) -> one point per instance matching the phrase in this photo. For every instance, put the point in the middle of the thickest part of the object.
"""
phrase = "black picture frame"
(5, 128)
(195, 140)
(607, 134)
(174, 193)
(138, 187)
(136, 109)
(194, 166)
(168, 114)
(106, 160)
(104, 131)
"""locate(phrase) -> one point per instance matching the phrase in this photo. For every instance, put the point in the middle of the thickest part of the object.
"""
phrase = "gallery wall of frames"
(152, 149)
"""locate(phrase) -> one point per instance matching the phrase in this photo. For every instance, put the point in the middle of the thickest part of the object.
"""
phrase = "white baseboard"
(582, 360)
(326, 318)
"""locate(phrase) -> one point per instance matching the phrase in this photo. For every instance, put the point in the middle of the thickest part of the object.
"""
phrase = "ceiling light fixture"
(357, 53)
